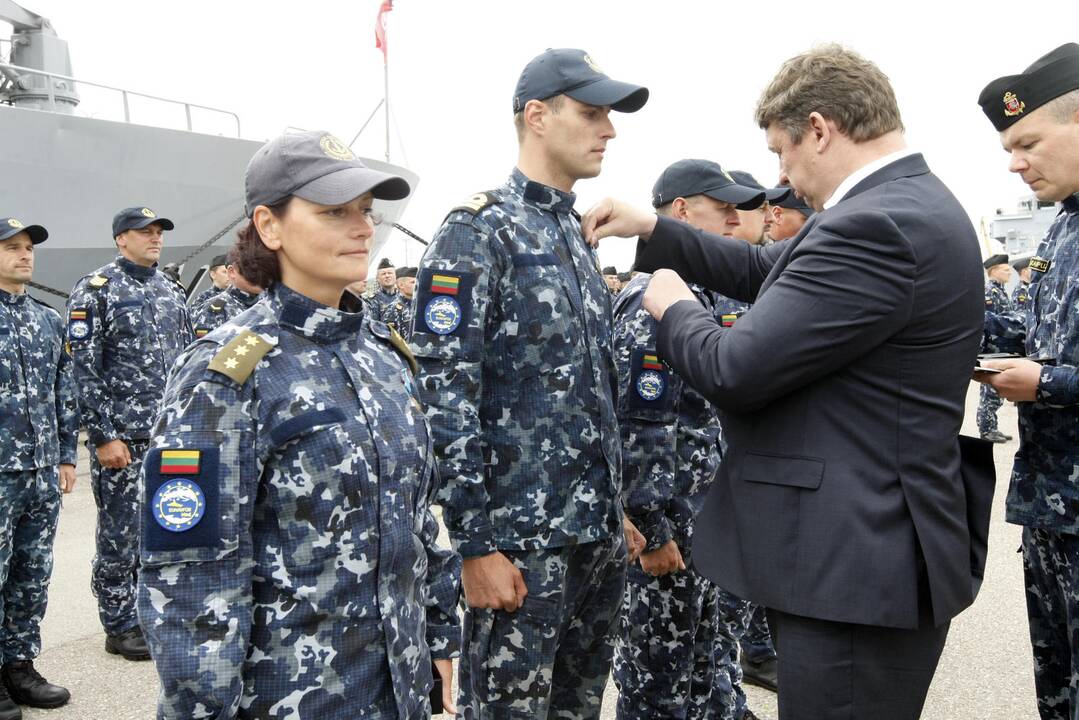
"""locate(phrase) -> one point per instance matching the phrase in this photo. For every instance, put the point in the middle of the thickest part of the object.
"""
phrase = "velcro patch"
(237, 359)
(80, 323)
(201, 331)
(180, 506)
(649, 381)
(1040, 264)
(444, 301)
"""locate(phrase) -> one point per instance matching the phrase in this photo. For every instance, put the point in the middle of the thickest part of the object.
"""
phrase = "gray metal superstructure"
(1021, 231)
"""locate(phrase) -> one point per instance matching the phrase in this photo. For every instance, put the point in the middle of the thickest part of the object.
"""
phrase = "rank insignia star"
(231, 363)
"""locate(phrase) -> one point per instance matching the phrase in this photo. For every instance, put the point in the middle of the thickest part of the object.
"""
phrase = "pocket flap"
(790, 470)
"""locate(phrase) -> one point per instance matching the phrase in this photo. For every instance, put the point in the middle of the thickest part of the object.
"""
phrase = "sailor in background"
(290, 567)
(789, 215)
(610, 276)
(241, 294)
(127, 322)
(38, 437)
(1021, 293)
(398, 314)
(386, 287)
(998, 272)
(219, 281)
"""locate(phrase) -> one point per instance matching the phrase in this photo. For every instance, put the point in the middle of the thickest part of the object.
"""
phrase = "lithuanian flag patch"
(651, 362)
(728, 319)
(175, 462)
(445, 284)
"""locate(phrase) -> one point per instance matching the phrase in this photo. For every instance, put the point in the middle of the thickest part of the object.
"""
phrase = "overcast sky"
(453, 66)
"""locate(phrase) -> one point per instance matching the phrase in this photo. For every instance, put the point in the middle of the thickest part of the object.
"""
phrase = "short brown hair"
(839, 84)
(257, 263)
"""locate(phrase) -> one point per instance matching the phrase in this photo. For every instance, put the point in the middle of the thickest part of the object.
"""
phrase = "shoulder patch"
(98, 281)
(443, 301)
(214, 307)
(478, 202)
(237, 359)
(649, 381)
(80, 323)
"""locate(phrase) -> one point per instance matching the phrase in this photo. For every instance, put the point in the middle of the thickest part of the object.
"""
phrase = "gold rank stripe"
(237, 359)
(78, 314)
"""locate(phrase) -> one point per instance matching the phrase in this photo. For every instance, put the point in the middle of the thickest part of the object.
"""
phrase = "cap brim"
(777, 194)
(37, 233)
(165, 223)
(740, 196)
(349, 183)
(620, 96)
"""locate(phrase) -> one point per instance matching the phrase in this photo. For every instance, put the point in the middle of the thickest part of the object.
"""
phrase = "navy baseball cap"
(316, 166)
(133, 218)
(10, 227)
(772, 195)
(567, 71)
(687, 178)
(793, 202)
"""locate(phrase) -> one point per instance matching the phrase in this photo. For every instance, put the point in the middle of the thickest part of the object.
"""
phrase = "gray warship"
(71, 172)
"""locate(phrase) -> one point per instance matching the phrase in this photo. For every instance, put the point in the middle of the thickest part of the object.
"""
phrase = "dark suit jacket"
(842, 393)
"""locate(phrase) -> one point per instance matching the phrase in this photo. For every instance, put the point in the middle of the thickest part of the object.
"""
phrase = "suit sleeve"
(87, 352)
(840, 296)
(731, 267)
(451, 370)
(195, 586)
(649, 437)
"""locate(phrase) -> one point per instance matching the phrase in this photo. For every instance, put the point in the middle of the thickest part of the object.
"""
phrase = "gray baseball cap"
(567, 71)
(316, 166)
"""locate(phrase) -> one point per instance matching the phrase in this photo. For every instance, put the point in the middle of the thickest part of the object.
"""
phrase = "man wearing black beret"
(998, 272)
(1021, 293)
(1037, 115)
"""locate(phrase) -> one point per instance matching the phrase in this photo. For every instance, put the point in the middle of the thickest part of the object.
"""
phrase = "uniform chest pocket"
(313, 489)
(126, 319)
(541, 321)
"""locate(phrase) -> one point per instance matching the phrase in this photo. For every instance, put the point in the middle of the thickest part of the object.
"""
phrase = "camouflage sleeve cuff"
(473, 544)
(1059, 386)
(444, 641)
(98, 437)
(654, 527)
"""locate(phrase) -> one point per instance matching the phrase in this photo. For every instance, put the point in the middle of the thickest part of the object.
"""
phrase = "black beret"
(385, 263)
(1009, 99)
(218, 261)
(406, 272)
(610, 270)
(994, 260)
(1021, 264)
(625, 277)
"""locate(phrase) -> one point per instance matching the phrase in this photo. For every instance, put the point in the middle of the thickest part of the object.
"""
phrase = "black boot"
(8, 709)
(27, 687)
(131, 645)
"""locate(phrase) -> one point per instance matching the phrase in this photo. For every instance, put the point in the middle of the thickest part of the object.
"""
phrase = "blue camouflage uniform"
(289, 564)
(398, 314)
(379, 300)
(203, 297)
(670, 661)
(512, 330)
(126, 325)
(40, 427)
(989, 402)
(1044, 492)
(1021, 295)
(219, 308)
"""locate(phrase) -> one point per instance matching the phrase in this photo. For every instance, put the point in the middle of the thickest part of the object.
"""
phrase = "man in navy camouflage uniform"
(39, 414)
(398, 314)
(127, 322)
(677, 654)
(1021, 293)
(385, 292)
(1037, 115)
(998, 273)
(219, 282)
(512, 330)
(227, 304)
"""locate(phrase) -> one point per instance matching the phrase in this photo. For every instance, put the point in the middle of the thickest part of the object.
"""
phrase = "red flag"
(380, 27)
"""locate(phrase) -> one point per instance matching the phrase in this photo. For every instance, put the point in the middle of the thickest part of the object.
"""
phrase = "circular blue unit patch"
(650, 385)
(79, 329)
(179, 505)
(442, 315)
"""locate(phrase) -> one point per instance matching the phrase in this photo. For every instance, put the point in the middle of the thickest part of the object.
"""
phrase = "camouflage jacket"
(38, 402)
(996, 297)
(288, 549)
(670, 433)
(1021, 295)
(380, 300)
(223, 306)
(1044, 489)
(203, 297)
(512, 330)
(399, 315)
(126, 325)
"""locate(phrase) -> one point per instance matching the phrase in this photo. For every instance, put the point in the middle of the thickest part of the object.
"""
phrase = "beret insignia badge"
(1012, 105)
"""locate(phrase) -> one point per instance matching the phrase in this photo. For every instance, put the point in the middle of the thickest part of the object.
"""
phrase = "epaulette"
(475, 204)
(403, 350)
(216, 308)
(238, 358)
(98, 281)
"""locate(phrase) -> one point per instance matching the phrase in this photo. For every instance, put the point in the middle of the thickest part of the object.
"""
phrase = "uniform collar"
(387, 293)
(540, 195)
(10, 299)
(135, 270)
(314, 320)
(247, 299)
(1071, 204)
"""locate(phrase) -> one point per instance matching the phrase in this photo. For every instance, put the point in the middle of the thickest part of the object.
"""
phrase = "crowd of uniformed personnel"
(265, 456)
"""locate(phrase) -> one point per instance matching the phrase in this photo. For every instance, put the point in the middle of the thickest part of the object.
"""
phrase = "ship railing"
(14, 73)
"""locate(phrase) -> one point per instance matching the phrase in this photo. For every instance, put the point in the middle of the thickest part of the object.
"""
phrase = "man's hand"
(610, 217)
(663, 561)
(492, 581)
(1019, 381)
(445, 671)
(665, 289)
(67, 478)
(635, 541)
(114, 455)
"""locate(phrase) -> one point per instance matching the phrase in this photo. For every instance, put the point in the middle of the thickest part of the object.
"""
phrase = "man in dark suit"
(840, 505)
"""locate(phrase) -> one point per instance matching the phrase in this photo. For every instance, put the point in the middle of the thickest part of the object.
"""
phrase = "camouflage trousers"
(29, 508)
(1051, 571)
(676, 657)
(988, 404)
(116, 561)
(551, 657)
(757, 642)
